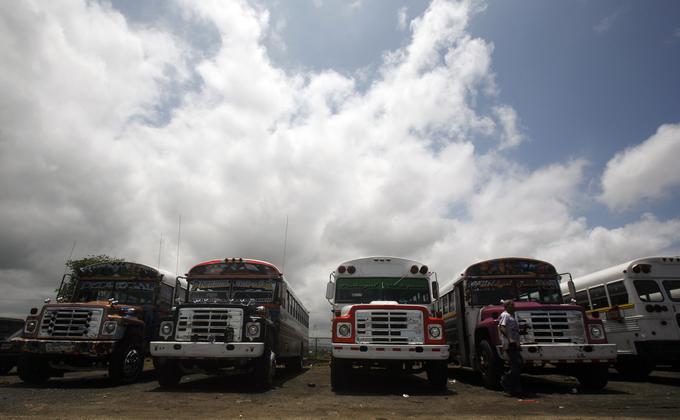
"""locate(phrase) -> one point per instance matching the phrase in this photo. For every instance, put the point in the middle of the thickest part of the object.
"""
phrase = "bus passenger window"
(598, 297)
(453, 306)
(582, 299)
(648, 290)
(672, 289)
(617, 293)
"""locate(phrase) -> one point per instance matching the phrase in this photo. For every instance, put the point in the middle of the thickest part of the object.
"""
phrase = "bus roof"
(195, 270)
(118, 269)
(506, 266)
(381, 266)
(667, 266)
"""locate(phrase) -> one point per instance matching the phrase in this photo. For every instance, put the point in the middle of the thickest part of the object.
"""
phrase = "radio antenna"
(70, 256)
(160, 249)
(285, 243)
(179, 240)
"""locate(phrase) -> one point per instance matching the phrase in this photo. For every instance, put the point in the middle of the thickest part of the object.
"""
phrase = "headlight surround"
(435, 331)
(344, 329)
(31, 325)
(252, 330)
(166, 328)
(596, 332)
(109, 327)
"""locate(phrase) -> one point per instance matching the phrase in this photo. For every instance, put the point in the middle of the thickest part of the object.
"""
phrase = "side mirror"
(330, 290)
(435, 290)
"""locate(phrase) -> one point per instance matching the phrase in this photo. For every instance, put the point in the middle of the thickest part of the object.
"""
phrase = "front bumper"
(391, 352)
(538, 354)
(99, 348)
(188, 350)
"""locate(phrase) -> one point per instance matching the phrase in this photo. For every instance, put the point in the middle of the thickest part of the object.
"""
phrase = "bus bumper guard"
(566, 353)
(391, 351)
(89, 348)
(184, 349)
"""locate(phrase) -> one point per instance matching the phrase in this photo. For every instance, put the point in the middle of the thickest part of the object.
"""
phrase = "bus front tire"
(169, 374)
(593, 377)
(490, 365)
(340, 373)
(127, 362)
(265, 369)
(33, 370)
(438, 374)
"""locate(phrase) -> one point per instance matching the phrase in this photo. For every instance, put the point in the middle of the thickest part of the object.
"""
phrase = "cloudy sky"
(447, 132)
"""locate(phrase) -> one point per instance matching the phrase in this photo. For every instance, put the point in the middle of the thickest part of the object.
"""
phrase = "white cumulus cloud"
(648, 171)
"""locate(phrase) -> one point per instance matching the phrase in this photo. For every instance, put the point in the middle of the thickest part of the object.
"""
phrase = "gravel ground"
(308, 395)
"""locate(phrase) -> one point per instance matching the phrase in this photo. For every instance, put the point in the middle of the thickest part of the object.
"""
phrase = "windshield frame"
(229, 289)
(424, 299)
(512, 289)
(115, 283)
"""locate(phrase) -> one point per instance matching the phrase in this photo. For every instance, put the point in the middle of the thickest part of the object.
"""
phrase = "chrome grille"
(624, 325)
(209, 324)
(389, 326)
(551, 326)
(71, 322)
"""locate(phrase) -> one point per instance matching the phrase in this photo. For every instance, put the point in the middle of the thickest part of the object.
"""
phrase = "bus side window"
(598, 297)
(453, 306)
(672, 289)
(166, 294)
(582, 299)
(617, 293)
(648, 290)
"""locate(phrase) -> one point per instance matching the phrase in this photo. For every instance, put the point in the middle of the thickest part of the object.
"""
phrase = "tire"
(438, 374)
(593, 377)
(127, 362)
(634, 370)
(340, 373)
(169, 374)
(294, 364)
(490, 365)
(265, 369)
(33, 370)
(5, 366)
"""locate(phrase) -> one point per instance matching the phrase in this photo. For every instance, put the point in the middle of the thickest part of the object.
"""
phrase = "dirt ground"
(308, 395)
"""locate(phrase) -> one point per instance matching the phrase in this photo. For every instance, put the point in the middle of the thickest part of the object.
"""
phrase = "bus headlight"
(110, 327)
(344, 330)
(252, 330)
(596, 332)
(435, 331)
(30, 325)
(166, 328)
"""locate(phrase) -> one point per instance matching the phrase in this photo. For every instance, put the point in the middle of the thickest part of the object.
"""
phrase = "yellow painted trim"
(612, 308)
(450, 315)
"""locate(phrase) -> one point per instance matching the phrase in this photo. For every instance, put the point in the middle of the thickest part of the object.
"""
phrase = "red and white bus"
(552, 334)
(238, 315)
(382, 318)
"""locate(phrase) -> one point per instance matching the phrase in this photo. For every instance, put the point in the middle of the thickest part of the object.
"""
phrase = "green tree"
(73, 266)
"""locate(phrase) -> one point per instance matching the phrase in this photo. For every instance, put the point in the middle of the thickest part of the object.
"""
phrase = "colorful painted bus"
(382, 318)
(239, 315)
(106, 321)
(552, 334)
(639, 303)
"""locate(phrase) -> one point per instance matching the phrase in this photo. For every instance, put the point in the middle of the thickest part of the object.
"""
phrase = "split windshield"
(226, 291)
(129, 292)
(491, 291)
(369, 289)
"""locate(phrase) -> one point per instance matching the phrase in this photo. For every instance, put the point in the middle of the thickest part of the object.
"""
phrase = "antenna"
(160, 249)
(70, 256)
(179, 239)
(285, 243)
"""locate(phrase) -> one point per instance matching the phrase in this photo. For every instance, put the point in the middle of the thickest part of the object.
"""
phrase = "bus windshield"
(225, 291)
(491, 291)
(129, 292)
(369, 289)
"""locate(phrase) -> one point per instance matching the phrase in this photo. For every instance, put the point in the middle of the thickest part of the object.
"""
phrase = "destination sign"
(511, 267)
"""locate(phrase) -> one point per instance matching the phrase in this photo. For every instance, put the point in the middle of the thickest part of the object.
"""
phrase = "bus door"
(461, 328)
